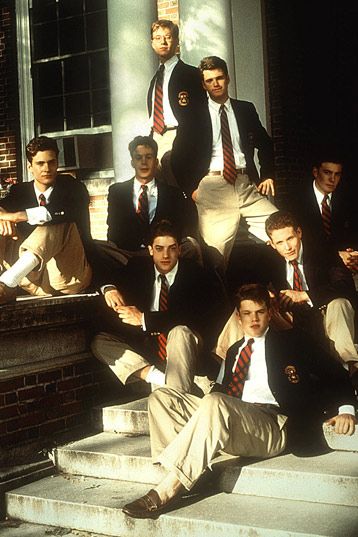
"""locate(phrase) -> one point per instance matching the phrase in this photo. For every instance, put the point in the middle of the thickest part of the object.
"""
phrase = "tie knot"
(294, 263)
(222, 109)
(325, 198)
(42, 199)
(163, 279)
(144, 188)
(250, 342)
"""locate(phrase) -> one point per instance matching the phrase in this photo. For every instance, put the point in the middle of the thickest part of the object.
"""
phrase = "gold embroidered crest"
(292, 374)
(183, 98)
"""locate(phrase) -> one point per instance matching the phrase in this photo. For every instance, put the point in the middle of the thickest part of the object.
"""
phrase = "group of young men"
(162, 276)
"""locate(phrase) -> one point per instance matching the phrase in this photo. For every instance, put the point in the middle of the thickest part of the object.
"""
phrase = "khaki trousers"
(182, 356)
(187, 432)
(63, 264)
(221, 205)
(338, 321)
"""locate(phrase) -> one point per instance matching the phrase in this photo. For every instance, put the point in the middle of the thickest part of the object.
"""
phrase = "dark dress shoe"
(148, 506)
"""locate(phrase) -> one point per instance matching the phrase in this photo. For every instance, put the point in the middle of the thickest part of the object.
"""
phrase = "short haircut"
(40, 143)
(280, 220)
(165, 23)
(213, 62)
(329, 156)
(164, 228)
(143, 140)
(252, 291)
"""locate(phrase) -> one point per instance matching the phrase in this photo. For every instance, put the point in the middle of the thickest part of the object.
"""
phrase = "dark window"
(70, 68)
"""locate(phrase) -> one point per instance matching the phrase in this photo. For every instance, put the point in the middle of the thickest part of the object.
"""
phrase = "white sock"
(155, 376)
(25, 264)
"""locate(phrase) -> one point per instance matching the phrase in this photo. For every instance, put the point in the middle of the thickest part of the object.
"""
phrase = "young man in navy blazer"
(286, 386)
(44, 226)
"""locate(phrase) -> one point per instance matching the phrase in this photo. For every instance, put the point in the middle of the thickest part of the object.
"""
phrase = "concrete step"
(18, 528)
(115, 456)
(94, 505)
(16, 476)
(329, 478)
(128, 417)
(332, 477)
(132, 417)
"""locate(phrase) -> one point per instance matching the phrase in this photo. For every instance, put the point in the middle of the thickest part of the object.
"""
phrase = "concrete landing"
(94, 505)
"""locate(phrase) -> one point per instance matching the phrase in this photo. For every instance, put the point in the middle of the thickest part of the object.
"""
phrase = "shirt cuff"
(107, 287)
(144, 328)
(37, 216)
(346, 409)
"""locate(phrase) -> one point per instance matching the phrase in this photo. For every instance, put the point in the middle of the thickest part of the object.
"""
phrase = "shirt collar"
(170, 276)
(170, 63)
(257, 339)
(47, 193)
(320, 196)
(216, 106)
(137, 185)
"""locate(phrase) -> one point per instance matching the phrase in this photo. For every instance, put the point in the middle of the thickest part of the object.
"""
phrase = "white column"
(132, 64)
(206, 30)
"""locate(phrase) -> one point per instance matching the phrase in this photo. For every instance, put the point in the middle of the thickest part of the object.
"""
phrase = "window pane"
(43, 10)
(45, 40)
(76, 74)
(48, 78)
(100, 70)
(68, 8)
(78, 111)
(101, 108)
(50, 114)
(72, 35)
(96, 31)
(94, 5)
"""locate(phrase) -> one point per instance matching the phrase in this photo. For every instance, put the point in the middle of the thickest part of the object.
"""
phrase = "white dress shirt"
(217, 157)
(169, 118)
(152, 193)
(39, 215)
(256, 387)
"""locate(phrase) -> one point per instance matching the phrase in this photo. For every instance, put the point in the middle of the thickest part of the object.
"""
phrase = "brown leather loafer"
(7, 294)
(148, 506)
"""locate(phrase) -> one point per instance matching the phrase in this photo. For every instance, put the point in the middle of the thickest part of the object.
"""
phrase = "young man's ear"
(150, 249)
(315, 172)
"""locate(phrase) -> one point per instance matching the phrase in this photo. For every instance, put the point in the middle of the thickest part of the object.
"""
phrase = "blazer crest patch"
(183, 98)
(292, 374)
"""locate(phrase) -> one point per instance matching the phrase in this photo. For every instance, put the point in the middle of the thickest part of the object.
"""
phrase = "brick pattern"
(168, 9)
(46, 403)
(9, 114)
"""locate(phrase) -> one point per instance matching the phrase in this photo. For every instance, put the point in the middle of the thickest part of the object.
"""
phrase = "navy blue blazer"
(69, 202)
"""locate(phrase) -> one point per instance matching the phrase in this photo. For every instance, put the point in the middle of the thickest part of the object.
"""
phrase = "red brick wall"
(40, 405)
(9, 113)
(168, 9)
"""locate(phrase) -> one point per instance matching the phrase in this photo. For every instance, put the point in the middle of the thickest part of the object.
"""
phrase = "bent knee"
(340, 304)
(181, 331)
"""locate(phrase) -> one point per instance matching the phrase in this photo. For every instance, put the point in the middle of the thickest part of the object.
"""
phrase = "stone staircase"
(94, 477)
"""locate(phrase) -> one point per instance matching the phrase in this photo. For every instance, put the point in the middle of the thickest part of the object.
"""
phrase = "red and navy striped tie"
(163, 306)
(236, 386)
(326, 215)
(158, 115)
(228, 152)
(42, 200)
(143, 209)
(297, 279)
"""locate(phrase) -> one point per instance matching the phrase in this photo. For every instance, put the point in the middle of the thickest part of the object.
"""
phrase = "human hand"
(8, 229)
(299, 297)
(350, 259)
(130, 315)
(266, 187)
(19, 216)
(194, 195)
(114, 299)
(343, 424)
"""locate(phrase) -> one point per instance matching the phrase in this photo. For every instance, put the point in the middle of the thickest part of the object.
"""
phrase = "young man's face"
(287, 242)
(44, 169)
(165, 251)
(164, 44)
(253, 318)
(216, 83)
(144, 162)
(327, 176)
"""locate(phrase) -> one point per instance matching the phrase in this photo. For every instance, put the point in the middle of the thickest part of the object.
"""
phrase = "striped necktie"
(228, 152)
(326, 215)
(163, 306)
(158, 115)
(236, 385)
(42, 200)
(297, 278)
(143, 209)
